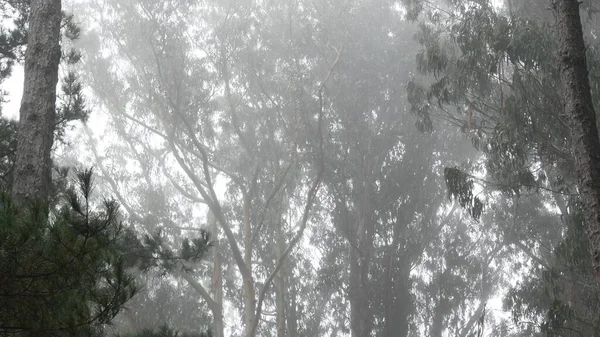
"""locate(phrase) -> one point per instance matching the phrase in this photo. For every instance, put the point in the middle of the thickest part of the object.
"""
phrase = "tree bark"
(397, 302)
(217, 280)
(33, 162)
(280, 284)
(441, 308)
(292, 313)
(249, 290)
(361, 314)
(579, 111)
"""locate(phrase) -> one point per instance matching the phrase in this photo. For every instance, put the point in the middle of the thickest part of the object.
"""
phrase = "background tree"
(248, 85)
(492, 72)
(184, 120)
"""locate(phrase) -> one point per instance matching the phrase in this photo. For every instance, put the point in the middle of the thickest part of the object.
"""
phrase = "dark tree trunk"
(361, 314)
(217, 280)
(442, 307)
(397, 302)
(280, 285)
(579, 111)
(38, 106)
(292, 313)
(359, 300)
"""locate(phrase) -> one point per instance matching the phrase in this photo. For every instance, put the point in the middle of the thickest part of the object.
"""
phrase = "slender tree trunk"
(359, 305)
(469, 328)
(441, 308)
(389, 289)
(32, 174)
(292, 313)
(280, 285)
(217, 280)
(361, 315)
(249, 291)
(579, 111)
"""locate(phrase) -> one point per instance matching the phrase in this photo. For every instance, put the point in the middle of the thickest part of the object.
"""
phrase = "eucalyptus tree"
(192, 98)
(385, 190)
(252, 98)
(493, 72)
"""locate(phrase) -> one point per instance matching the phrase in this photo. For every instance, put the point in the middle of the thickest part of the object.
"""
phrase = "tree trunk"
(361, 315)
(217, 280)
(292, 313)
(442, 307)
(33, 162)
(280, 285)
(579, 111)
(359, 304)
(397, 302)
(249, 291)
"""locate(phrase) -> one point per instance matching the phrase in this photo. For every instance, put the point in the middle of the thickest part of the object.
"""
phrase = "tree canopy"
(307, 168)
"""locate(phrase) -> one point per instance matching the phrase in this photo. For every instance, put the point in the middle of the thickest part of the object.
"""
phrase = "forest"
(299, 168)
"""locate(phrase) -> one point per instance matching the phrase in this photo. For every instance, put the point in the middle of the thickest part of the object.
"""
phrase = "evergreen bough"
(62, 273)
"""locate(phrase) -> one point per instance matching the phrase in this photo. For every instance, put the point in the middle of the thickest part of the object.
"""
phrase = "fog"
(306, 168)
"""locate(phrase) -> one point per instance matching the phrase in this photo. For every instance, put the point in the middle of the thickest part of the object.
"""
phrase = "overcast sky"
(14, 87)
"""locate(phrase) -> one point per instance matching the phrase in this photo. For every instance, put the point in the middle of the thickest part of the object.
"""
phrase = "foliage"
(165, 331)
(154, 253)
(12, 39)
(460, 187)
(63, 274)
(241, 115)
(162, 301)
(71, 105)
(562, 296)
(492, 72)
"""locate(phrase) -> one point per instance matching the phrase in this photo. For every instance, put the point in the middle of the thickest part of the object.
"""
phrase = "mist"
(305, 168)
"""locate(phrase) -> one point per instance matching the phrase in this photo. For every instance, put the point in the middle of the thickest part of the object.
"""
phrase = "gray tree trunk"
(280, 285)
(217, 281)
(579, 111)
(361, 314)
(32, 173)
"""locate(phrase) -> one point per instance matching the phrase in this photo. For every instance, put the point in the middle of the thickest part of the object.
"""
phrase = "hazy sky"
(14, 87)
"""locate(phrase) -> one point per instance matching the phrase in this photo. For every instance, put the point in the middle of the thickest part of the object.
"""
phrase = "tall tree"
(579, 110)
(497, 67)
(32, 178)
(210, 103)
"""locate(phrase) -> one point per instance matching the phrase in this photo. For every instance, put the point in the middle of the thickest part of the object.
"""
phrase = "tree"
(63, 275)
(497, 69)
(70, 105)
(579, 110)
(38, 106)
(179, 85)
(250, 94)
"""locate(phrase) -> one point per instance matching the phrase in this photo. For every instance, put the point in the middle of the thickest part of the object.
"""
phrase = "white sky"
(14, 86)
